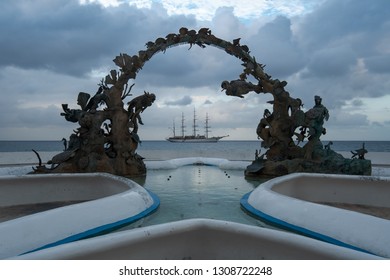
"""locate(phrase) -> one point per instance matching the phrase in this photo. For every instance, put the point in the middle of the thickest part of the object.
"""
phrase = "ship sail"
(195, 137)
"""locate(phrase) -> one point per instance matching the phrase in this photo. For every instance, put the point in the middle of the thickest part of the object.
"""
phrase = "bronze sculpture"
(107, 138)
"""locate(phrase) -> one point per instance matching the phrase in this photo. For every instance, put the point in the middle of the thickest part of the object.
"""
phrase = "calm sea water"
(160, 150)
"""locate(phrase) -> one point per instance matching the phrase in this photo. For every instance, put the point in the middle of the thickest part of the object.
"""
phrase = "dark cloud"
(337, 35)
(344, 47)
(378, 64)
(184, 101)
(331, 62)
(274, 46)
(51, 50)
(357, 103)
(347, 119)
(197, 67)
(346, 22)
(66, 37)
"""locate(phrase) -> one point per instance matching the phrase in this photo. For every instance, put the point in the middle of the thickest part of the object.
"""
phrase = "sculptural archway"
(106, 140)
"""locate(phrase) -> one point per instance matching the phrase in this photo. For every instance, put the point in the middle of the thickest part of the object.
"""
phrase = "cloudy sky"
(53, 49)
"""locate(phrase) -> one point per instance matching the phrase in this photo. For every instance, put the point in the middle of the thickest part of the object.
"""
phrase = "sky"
(53, 49)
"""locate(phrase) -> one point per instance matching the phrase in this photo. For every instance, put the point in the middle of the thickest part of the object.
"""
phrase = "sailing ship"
(194, 138)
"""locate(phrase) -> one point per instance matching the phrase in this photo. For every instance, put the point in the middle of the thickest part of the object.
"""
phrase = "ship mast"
(194, 126)
(206, 127)
(174, 128)
(182, 125)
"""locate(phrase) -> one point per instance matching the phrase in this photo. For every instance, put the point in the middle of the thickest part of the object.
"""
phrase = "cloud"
(184, 101)
(74, 39)
(357, 103)
(51, 50)
(348, 119)
(274, 46)
(343, 58)
(378, 64)
(346, 22)
(331, 62)
(243, 9)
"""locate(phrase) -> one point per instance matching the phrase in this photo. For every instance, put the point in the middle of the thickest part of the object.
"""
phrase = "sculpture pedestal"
(93, 162)
(331, 163)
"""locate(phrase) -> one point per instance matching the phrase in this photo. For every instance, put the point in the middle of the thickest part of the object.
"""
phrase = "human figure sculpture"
(263, 129)
(315, 118)
(82, 100)
(71, 115)
(137, 105)
(239, 88)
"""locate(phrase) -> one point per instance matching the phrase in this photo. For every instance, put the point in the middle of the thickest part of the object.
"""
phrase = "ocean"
(162, 150)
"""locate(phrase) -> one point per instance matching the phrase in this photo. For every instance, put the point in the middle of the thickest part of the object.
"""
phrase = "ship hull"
(194, 140)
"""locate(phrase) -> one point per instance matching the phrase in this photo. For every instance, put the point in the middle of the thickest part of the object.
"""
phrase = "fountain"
(107, 138)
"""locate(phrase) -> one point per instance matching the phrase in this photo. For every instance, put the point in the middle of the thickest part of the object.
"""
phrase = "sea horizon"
(162, 149)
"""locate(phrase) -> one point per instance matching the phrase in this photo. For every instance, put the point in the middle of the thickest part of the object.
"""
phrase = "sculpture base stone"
(126, 168)
(269, 169)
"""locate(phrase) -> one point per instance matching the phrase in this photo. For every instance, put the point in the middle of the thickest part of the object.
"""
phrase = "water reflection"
(199, 191)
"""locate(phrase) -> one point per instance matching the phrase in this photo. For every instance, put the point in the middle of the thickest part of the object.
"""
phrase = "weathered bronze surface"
(107, 138)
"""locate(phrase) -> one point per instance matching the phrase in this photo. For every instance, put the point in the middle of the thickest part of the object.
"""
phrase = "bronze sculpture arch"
(107, 138)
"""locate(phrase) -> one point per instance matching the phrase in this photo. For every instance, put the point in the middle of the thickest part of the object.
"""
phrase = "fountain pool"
(198, 188)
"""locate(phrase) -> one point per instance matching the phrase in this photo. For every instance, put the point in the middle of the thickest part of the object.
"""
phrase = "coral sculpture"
(107, 138)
